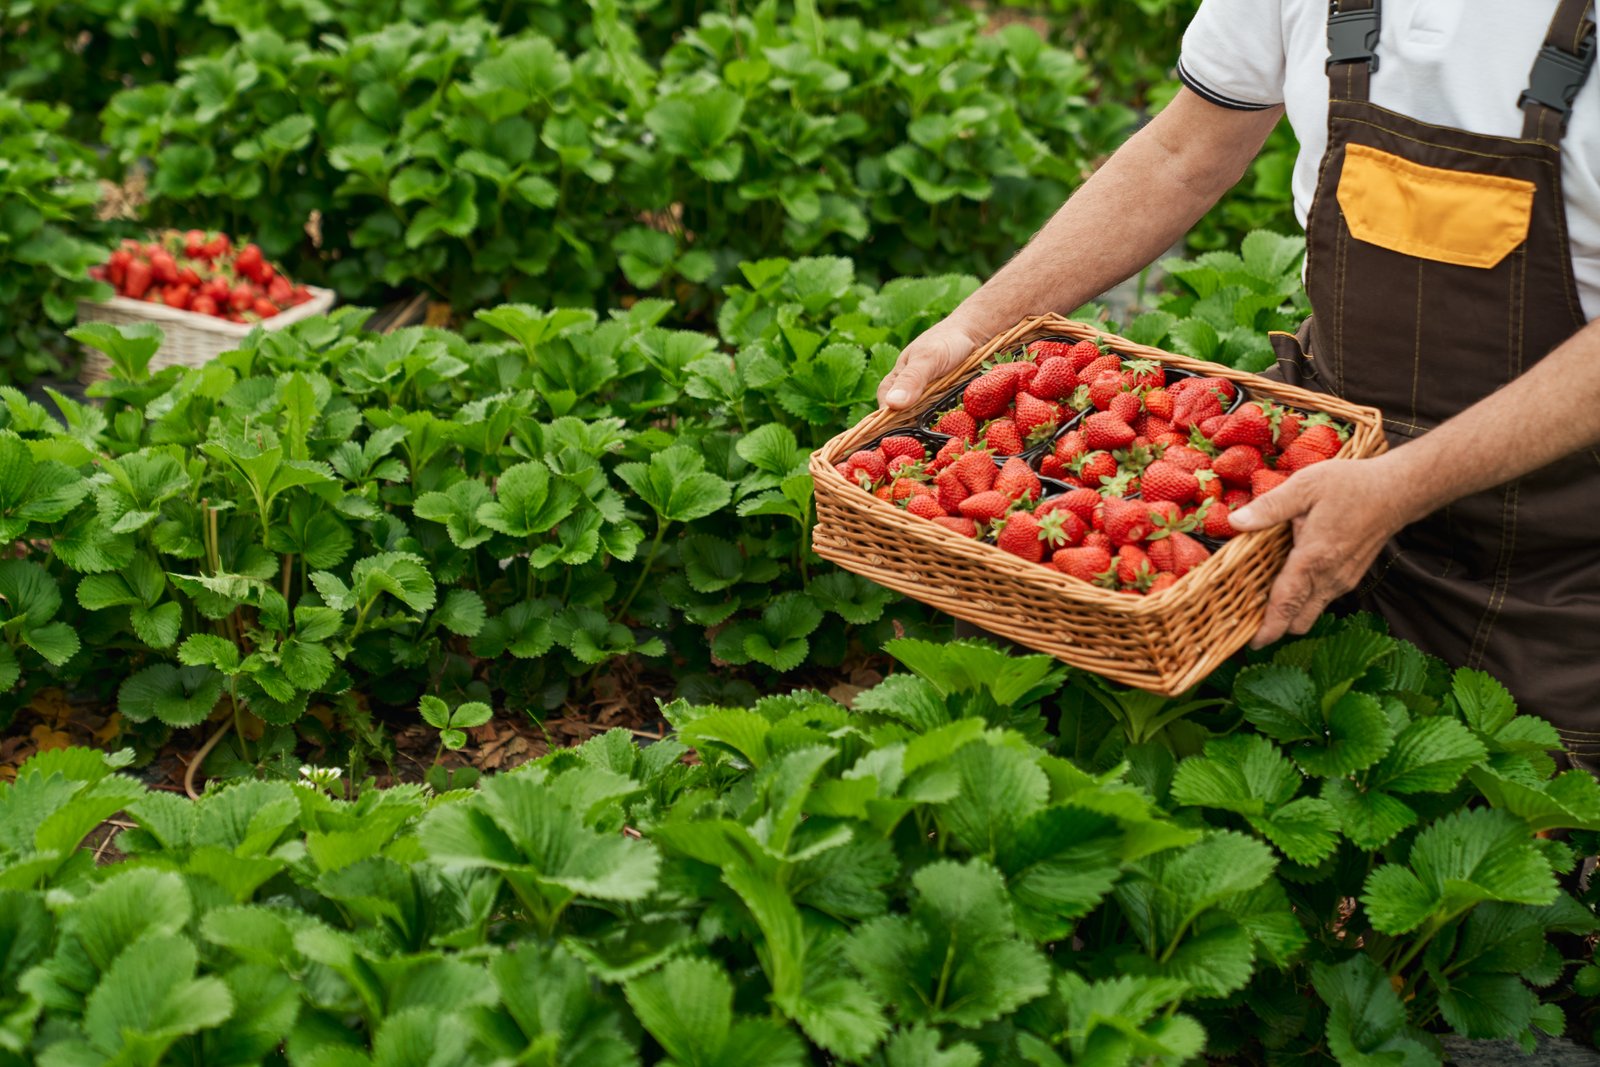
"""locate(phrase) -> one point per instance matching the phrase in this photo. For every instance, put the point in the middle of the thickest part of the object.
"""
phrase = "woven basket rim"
(321, 301)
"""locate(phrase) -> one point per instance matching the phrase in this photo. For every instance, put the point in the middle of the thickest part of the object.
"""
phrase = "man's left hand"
(1342, 512)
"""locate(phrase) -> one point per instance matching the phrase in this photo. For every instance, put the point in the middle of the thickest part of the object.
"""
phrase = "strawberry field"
(465, 689)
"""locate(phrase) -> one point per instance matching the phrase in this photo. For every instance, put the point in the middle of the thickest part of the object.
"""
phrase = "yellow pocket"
(1451, 216)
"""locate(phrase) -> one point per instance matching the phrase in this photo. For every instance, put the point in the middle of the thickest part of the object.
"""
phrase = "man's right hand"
(924, 361)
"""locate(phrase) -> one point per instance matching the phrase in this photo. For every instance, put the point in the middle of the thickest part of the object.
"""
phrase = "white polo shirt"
(1459, 63)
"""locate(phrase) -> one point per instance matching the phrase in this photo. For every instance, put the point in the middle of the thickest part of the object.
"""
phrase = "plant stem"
(361, 618)
(238, 719)
(288, 574)
(644, 573)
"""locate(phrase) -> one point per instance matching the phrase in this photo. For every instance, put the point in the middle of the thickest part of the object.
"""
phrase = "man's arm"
(1130, 211)
(1344, 510)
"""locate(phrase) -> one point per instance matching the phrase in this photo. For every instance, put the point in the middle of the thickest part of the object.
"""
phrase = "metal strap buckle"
(1353, 37)
(1558, 75)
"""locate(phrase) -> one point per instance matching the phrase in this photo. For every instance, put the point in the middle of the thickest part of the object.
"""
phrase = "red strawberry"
(1086, 563)
(1098, 539)
(1104, 430)
(1237, 464)
(1133, 566)
(884, 492)
(1024, 374)
(138, 280)
(869, 462)
(1043, 352)
(1298, 456)
(1167, 440)
(1264, 481)
(1211, 486)
(1234, 499)
(925, 507)
(957, 525)
(976, 470)
(265, 308)
(1168, 481)
(1055, 381)
(844, 469)
(901, 465)
(948, 453)
(905, 488)
(1092, 467)
(1070, 445)
(1003, 438)
(1036, 419)
(1017, 480)
(1126, 521)
(1081, 502)
(1144, 374)
(203, 305)
(1060, 525)
(1051, 467)
(1153, 427)
(1104, 389)
(1209, 427)
(1125, 406)
(1159, 403)
(1162, 580)
(1020, 537)
(1089, 373)
(985, 507)
(1222, 388)
(1322, 437)
(1216, 521)
(950, 490)
(1289, 428)
(990, 393)
(1165, 515)
(1194, 407)
(1187, 458)
(957, 423)
(1249, 425)
(1177, 552)
(1085, 353)
(895, 447)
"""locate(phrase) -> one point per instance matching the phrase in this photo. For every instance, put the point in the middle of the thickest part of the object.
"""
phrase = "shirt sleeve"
(1233, 53)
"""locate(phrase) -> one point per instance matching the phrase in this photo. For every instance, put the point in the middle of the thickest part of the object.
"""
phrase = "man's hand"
(1342, 513)
(935, 353)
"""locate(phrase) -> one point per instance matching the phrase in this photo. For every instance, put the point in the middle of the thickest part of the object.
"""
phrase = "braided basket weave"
(1166, 642)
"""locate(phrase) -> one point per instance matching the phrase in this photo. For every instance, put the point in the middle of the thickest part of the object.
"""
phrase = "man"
(1452, 205)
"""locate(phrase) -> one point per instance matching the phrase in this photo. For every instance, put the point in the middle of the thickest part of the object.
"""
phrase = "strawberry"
(1209, 427)
(178, 296)
(1020, 536)
(950, 490)
(249, 262)
(1024, 374)
(1234, 499)
(985, 507)
(1162, 580)
(1144, 374)
(1249, 425)
(163, 267)
(1216, 521)
(903, 465)
(1003, 438)
(1017, 480)
(1036, 419)
(1178, 553)
(1104, 430)
(957, 423)
(1089, 373)
(1126, 521)
(203, 305)
(1125, 406)
(1055, 381)
(1237, 464)
(1070, 445)
(1042, 352)
(1104, 388)
(1085, 353)
(976, 471)
(869, 462)
(1081, 502)
(1086, 563)
(1168, 481)
(990, 393)
(1194, 407)
(896, 447)
(925, 507)
(1092, 468)
(1322, 437)
(1059, 526)
(138, 279)
(1153, 427)
(1159, 402)
(1189, 459)
(1264, 481)
(1166, 515)
(1123, 484)
(1051, 467)
(1167, 440)
(1289, 428)
(962, 527)
(1211, 486)
(845, 471)
(948, 453)
(1298, 456)
(265, 308)
(194, 242)
(1133, 566)
(884, 492)
(1098, 539)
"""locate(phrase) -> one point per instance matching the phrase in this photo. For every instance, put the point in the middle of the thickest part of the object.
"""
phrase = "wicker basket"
(1166, 642)
(189, 339)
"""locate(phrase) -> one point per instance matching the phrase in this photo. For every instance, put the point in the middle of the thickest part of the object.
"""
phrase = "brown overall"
(1439, 270)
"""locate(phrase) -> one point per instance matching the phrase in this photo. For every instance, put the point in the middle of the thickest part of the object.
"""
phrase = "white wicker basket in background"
(189, 338)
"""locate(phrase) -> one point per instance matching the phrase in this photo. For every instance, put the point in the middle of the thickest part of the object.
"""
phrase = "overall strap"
(1560, 70)
(1353, 27)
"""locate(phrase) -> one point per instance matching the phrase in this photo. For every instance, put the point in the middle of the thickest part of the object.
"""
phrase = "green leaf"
(1429, 756)
(1367, 1023)
(1358, 734)
(457, 508)
(676, 485)
(1279, 701)
(1369, 818)
(528, 501)
(403, 575)
(177, 696)
(150, 997)
(687, 1006)
(129, 348)
(461, 612)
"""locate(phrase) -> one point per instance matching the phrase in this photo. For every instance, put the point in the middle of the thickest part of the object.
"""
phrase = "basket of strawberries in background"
(1070, 490)
(204, 293)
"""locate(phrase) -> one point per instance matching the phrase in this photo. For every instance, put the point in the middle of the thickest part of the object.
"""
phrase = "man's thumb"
(1278, 506)
(908, 386)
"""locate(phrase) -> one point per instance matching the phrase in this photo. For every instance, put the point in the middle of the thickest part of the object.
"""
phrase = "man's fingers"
(1291, 596)
(906, 386)
(1284, 503)
(889, 381)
